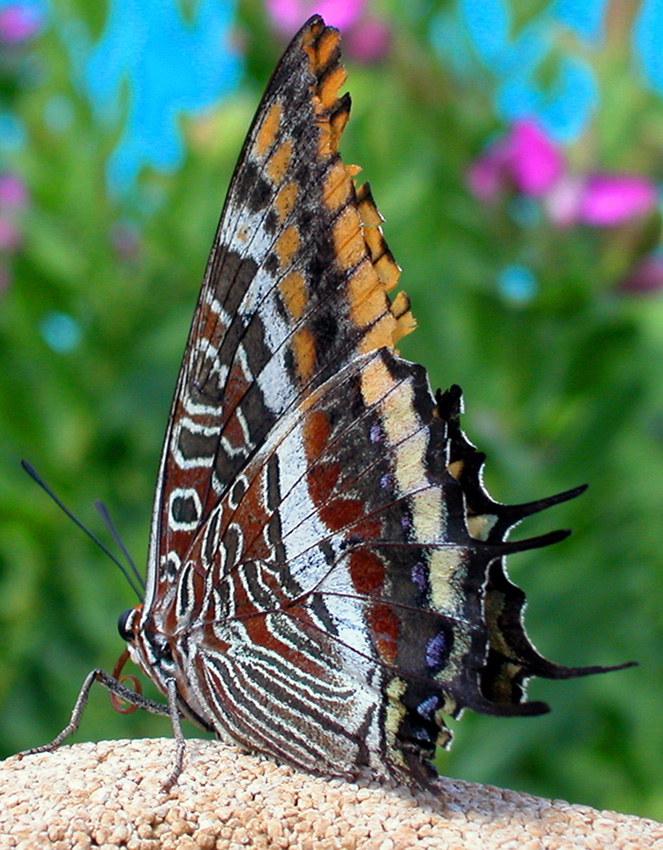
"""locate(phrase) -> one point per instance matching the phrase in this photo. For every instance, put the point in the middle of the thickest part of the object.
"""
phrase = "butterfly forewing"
(325, 577)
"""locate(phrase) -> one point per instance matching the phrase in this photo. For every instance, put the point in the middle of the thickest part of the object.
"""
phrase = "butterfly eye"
(125, 633)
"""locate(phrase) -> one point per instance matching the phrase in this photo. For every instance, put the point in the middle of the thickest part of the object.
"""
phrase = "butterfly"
(325, 578)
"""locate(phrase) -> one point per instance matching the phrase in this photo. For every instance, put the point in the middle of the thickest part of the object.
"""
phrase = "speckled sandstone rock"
(108, 795)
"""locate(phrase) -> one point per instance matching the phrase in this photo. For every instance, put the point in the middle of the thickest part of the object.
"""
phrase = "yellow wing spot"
(404, 325)
(427, 514)
(389, 272)
(444, 735)
(376, 382)
(285, 200)
(362, 285)
(268, 129)
(279, 161)
(405, 321)
(380, 335)
(370, 215)
(332, 82)
(303, 348)
(446, 573)
(287, 245)
(398, 415)
(309, 44)
(338, 187)
(327, 43)
(456, 468)
(385, 265)
(394, 714)
(294, 294)
(337, 125)
(325, 138)
(480, 526)
(374, 241)
(366, 296)
(410, 472)
(349, 245)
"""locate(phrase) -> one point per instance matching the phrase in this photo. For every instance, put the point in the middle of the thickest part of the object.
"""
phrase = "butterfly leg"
(180, 741)
(114, 687)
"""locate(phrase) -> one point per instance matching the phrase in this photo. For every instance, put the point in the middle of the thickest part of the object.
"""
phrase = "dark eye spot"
(125, 633)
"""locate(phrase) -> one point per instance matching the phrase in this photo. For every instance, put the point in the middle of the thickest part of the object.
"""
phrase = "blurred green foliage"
(564, 389)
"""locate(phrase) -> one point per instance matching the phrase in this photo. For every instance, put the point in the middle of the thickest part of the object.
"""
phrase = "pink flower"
(599, 200)
(534, 160)
(610, 199)
(288, 15)
(13, 193)
(366, 39)
(488, 174)
(525, 158)
(19, 22)
(369, 41)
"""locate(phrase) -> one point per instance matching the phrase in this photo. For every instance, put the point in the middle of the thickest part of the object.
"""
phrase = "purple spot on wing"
(386, 480)
(420, 577)
(436, 650)
(428, 707)
(375, 433)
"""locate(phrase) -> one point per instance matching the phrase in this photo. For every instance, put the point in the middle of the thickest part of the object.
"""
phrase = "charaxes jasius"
(326, 574)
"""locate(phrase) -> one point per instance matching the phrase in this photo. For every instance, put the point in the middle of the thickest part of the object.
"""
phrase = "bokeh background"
(515, 149)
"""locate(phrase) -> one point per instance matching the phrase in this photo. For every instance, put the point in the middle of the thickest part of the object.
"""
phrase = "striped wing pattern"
(326, 571)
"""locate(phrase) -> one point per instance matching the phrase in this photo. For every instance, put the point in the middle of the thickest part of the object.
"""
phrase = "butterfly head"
(147, 648)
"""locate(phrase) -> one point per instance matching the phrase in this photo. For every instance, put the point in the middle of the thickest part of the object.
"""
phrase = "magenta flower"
(19, 22)
(366, 39)
(534, 160)
(600, 200)
(369, 41)
(610, 199)
(527, 160)
(288, 15)
(13, 192)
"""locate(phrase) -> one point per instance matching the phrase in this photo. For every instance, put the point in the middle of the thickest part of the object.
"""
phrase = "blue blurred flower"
(166, 66)
(648, 38)
(517, 284)
(564, 106)
(61, 332)
(12, 132)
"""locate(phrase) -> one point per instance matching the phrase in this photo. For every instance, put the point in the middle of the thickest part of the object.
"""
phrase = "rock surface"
(108, 795)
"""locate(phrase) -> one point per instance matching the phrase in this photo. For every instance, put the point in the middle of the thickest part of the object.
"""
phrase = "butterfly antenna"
(32, 472)
(103, 513)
